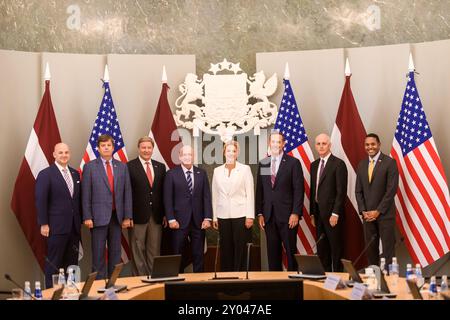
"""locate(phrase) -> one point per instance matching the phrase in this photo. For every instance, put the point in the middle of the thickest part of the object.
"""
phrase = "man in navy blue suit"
(57, 196)
(107, 205)
(188, 206)
(279, 202)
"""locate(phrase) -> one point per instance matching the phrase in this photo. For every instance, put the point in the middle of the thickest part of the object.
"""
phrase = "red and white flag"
(38, 156)
(422, 200)
(347, 143)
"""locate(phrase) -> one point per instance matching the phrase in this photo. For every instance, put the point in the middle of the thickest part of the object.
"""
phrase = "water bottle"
(419, 278)
(394, 271)
(410, 274)
(71, 278)
(37, 290)
(371, 279)
(383, 265)
(27, 292)
(432, 291)
(61, 277)
(444, 284)
(71, 290)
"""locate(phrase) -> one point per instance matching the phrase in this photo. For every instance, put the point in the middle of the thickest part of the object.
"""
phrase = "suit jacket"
(233, 197)
(97, 195)
(55, 206)
(147, 200)
(379, 194)
(332, 188)
(286, 197)
(182, 206)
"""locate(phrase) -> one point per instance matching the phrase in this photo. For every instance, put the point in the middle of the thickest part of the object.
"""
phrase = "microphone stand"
(215, 263)
(8, 277)
(249, 245)
(364, 250)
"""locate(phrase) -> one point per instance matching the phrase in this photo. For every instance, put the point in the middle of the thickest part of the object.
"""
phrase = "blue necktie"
(189, 181)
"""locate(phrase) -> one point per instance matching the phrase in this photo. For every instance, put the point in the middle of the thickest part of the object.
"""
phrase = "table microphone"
(249, 245)
(317, 242)
(215, 263)
(8, 277)
(365, 249)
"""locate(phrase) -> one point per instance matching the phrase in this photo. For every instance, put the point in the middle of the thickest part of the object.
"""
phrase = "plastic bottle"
(394, 271)
(444, 284)
(37, 290)
(432, 291)
(27, 292)
(383, 266)
(419, 278)
(61, 278)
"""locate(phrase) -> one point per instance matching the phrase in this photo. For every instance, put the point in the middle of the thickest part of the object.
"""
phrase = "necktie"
(273, 171)
(322, 167)
(371, 166)
(149, 174)
(189, 181)
(68, 181)
(111, 182)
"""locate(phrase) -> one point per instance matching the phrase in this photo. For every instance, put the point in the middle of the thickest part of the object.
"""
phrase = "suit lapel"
(61, 179)
(279, 172)
(377, 165)
(155, 170)
(196, 178)
(102, 170)
(76, 186)
(326, 169)
(183, 178)
(116, 175)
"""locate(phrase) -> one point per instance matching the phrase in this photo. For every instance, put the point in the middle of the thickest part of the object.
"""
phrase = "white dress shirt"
(149, 164)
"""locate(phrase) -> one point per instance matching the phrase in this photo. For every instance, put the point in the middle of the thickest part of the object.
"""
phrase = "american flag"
(107, 122)
(290, 124)
(422, 200)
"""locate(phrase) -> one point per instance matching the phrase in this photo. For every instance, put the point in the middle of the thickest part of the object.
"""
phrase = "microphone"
(249, 245)
(215, 263)
(8, 277)
(322, 235)
(365, 249)
(51, 264)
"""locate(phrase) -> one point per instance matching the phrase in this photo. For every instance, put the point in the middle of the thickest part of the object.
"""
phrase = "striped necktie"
(189, 181)
(68, 181)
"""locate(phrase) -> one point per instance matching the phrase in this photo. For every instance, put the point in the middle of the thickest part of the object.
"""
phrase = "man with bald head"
(328, 192)
(188, 206)
(57, 196)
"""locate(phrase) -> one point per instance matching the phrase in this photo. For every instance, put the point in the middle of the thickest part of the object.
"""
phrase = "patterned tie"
(189, 181)
(68, 181)
(111, 182)
(149, 174)
(322, 167)
(273, 171)
(371, 166)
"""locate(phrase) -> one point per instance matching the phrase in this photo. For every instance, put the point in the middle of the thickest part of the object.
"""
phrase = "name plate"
(333, 282)
(358, 292)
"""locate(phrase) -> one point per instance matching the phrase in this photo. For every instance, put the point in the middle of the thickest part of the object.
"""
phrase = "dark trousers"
(330, 248)
(61, 253)
(234, 237)
(279, 235)
(384, 230)
(109, 235)
(197, 237)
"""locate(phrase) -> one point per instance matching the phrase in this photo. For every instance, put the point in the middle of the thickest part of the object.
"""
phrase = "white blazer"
(233, 197)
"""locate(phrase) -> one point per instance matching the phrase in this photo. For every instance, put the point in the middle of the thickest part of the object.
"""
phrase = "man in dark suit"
(376, 186)
(107, 205)
(58, 211)
(147, 178)
(279, 202)
(328, 192)
(188, 206)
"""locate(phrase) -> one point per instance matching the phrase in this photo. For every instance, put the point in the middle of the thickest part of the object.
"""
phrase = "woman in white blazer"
(233, 208)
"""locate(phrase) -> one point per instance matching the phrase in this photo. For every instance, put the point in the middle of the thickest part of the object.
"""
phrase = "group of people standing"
(142, 197)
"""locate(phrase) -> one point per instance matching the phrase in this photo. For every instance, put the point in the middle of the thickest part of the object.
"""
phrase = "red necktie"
(149, 174)
(111, 182)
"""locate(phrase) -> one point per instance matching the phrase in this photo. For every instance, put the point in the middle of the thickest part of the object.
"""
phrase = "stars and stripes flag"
(38, 156)
(107, 122)
(290, 124)
(347, 143)
(422, 200)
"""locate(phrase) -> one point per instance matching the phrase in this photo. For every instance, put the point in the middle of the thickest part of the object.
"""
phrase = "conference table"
(312, 290)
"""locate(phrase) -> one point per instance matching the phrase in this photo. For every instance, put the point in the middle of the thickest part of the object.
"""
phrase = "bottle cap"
(37, 284)
(408, 265)
(417, 265)
(27, 283)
